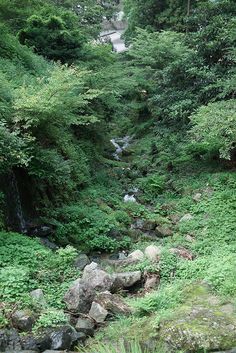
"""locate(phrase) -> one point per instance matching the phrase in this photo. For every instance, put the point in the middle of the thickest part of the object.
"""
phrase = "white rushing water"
(112, 32)
(120, 145)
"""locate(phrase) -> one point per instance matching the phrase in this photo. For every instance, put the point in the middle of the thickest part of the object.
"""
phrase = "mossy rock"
(202, 324)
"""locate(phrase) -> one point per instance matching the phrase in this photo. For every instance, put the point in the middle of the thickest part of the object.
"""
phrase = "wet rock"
(98, 313)
(136, 255)
(23, 320)
(9, 340)
(138, 224)
(149, 225)
(43, 341)
(233, 350)
(85, 325)
(187, 217)
(126, 279)
(48, 244)
(29, 343)
(144, 225)
(153, 252)
(62, 338)
(113, 303)
(38, 297)
(182, 252)
(163, 231)
(81, 261)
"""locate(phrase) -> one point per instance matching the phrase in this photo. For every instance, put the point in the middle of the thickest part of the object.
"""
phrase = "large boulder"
(136, 256)
(113, 303)
(23, 320)
(98, 313)
(126, 280)
(79, 296)
(201, 324)
(153, 252)
(96, 279)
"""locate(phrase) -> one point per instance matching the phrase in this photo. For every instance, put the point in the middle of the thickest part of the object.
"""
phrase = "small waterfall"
(16, 204)
(120, 145)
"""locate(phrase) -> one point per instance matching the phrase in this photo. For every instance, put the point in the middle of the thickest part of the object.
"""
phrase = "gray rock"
(200, 324)
(98, 313)
(136, 255)
(81, 261)
(85, 325)
(38, 297)
(182, 252)
(187, 217)
(126, 279)
(9, 340)
(79, 297)
(62, 338)
(197, 197)
(29, 343)
(96, 279)
(23, 320)
(21, 351)
(113, 303)
(163, 231)
(152, 282)
(153, 252)
(48, 244)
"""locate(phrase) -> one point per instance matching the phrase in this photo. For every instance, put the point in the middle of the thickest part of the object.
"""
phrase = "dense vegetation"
(63, 96)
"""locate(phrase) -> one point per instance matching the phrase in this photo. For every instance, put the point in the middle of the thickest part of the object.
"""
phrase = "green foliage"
(214, 125)
(53, 38)
(165, 298)
(50, 318)
(153, 184)
(15, 283)
(133, 347)
(27, 265)
(90, 228)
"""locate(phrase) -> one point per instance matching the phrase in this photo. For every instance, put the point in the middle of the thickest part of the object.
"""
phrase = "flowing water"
(17, 205)
(120, 144)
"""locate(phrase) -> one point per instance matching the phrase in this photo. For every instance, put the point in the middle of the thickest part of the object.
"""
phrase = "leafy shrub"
(50, 318)
(15, 283)
(153, 184)
(214, 125)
